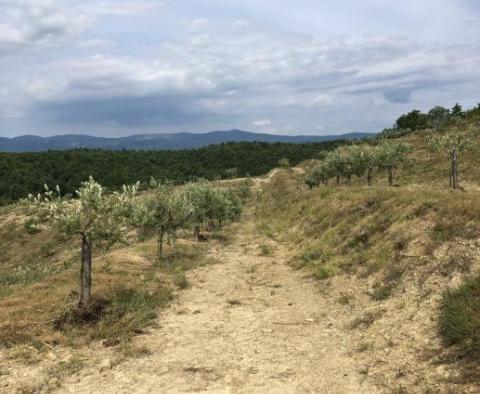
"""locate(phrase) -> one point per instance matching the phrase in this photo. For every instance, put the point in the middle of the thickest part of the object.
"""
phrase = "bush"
(460, 318)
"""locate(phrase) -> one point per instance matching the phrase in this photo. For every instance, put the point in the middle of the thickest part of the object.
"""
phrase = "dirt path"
(248, 325)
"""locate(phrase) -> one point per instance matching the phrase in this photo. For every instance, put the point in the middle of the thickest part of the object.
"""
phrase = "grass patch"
(382, 292)
(460, 318)
(365, 347)
(322, 273)
(265, 250)
(346, 298)
(67, 367)
(366, 320)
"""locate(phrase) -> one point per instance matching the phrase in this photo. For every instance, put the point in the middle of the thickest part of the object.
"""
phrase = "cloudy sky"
(120, 67)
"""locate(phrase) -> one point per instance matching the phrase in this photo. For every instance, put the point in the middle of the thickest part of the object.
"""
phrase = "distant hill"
(32, 143)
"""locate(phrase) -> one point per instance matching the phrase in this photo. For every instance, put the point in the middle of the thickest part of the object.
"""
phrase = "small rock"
(310, 320)
(105, 365)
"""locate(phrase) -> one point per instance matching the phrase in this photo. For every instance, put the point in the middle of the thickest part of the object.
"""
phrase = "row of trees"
(168, 208)
(101, 219)
(363, 161)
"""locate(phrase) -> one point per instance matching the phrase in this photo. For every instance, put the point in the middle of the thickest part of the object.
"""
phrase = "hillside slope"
(337, 289)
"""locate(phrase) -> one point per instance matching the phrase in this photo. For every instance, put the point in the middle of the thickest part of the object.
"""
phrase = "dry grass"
(39, 281)
(366, 230)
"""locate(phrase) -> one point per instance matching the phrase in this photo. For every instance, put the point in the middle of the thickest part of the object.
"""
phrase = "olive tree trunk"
(86, 272)
(160, 236)
(196, 234)
(454, 169)
(390, 176)
(369, 177)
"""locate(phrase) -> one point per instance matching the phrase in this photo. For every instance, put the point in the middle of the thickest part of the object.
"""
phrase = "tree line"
(438, 118)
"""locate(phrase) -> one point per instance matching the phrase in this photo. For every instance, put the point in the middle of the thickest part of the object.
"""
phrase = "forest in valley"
(25, 173)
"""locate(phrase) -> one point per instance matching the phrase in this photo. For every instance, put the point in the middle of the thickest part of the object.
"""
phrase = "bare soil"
(248, 325)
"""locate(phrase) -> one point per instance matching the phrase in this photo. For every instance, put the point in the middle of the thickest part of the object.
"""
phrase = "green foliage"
(453, 141)
(209, 203)
(284, 163)
(414, 120)
(24, 173)
(322, 273)
(165, 209)
(438, 117)
(393, 155)
(168, 208)
(231, 173)
(359, 160)
(94, 214)
(97, 217)
(457, 111)
(460, 318)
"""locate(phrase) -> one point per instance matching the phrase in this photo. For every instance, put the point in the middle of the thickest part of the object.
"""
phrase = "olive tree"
(335, 161)
(320, 174)
(164, 210)
(95, 216)
(370, 155)
(453, 143)
(284, 163)
(392, 156)
(227, 206)
(361, 160)
(209, 204)
(348, 164)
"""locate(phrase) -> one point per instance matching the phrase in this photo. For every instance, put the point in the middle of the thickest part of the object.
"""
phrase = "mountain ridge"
(169, 141)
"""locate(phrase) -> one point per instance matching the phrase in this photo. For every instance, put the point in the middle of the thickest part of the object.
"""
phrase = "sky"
(122, 67)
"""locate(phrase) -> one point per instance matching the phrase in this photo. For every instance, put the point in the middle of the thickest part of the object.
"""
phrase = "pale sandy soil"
(247, 325)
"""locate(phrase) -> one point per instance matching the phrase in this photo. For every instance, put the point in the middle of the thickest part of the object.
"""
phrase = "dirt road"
(250, 324)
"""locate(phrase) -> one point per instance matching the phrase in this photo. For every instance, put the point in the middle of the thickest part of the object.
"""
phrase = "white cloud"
(262, 123)
(200, 73)
(27, 23)
(228, 74)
